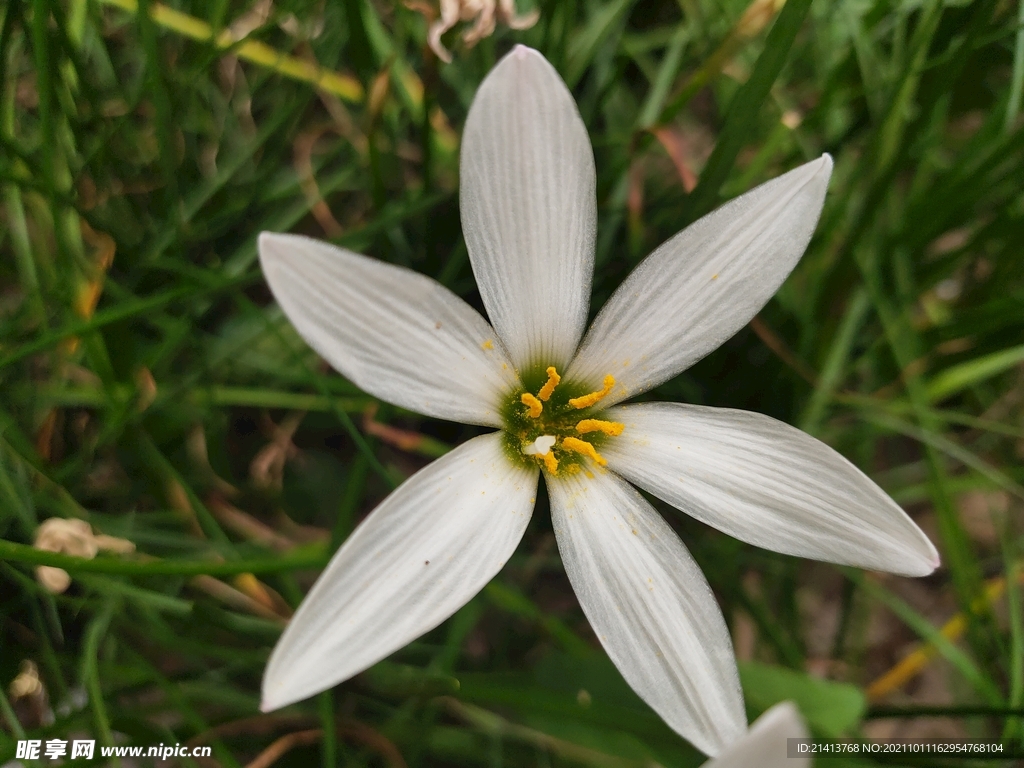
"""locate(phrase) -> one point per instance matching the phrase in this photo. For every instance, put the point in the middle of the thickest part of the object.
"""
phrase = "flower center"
(558, 428)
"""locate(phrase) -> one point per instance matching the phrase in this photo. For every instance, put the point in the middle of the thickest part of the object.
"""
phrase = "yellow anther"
(612, 428)
(549, 387)
(550, 463)
(535, 405)
(583, 447)
(588, 400)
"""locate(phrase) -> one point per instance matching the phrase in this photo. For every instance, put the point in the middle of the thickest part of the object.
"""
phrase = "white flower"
(528, 215)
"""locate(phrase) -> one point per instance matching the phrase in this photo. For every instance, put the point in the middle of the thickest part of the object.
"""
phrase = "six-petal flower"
(529, 219)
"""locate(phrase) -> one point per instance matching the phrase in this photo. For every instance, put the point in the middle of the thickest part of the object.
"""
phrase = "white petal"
(392, 332)
(419, 557)
(700, 287)
(766, 483)
(650, 606)
(527, 194)
(765, 744)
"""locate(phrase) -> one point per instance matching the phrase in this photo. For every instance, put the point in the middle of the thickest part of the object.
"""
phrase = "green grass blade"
(744, 109)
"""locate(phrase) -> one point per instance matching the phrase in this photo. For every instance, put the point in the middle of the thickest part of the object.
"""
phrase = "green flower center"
(554, 424)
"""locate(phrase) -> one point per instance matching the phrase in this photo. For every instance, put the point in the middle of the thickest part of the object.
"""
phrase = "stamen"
(585, 448)
(549, 387)
(612, 428)
(531, 402)
(550, 463)
(588, 400)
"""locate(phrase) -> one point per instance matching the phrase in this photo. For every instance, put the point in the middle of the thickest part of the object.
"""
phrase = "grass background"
(151, 388)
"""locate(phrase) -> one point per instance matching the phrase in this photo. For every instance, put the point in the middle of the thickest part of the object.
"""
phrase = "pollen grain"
(588, 400)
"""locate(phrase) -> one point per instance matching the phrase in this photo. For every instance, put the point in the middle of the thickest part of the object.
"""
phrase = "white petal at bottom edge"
(766, 483)
(650, 606)
(416, 559)
(764, 745)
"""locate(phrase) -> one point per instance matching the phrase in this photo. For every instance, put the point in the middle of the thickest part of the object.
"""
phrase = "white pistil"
(540, 446)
